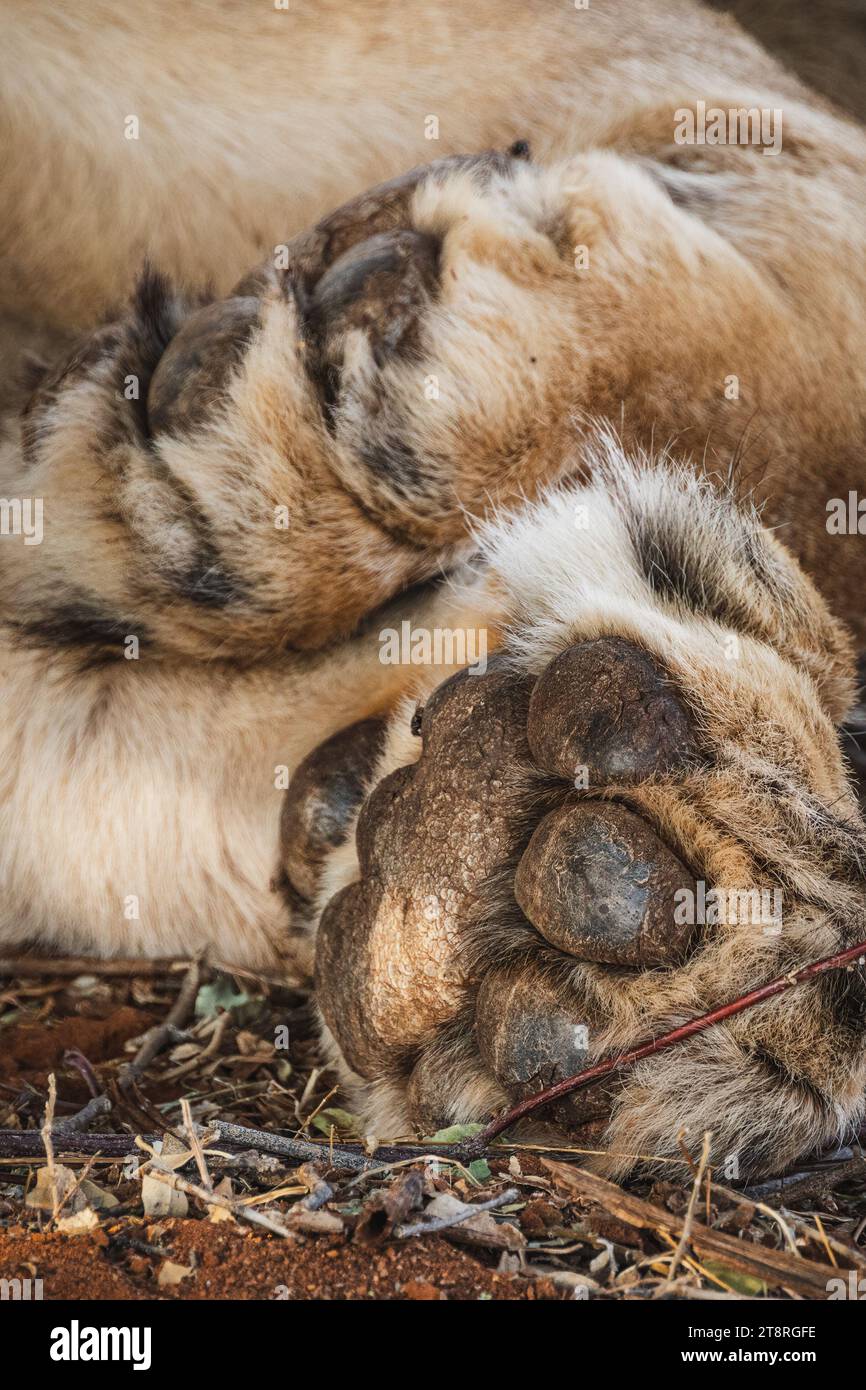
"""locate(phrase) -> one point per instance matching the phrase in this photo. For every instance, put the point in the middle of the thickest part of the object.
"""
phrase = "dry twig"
(33, 967)
(155, 1039)
(468, 1210)
(773, 1267)
(581, 1080)
(690, 1210)
(47, 1125)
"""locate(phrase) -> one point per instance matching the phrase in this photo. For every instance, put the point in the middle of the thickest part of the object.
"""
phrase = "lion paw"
(591, 848)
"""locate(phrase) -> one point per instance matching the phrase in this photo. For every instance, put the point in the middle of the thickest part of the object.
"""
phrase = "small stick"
(30, 1144)
(442, 1223)
(300, 1150)
(195, 1145)
(72, 1057)
(738, 1197)
(332, 1155)
(774, 1267)
(690, 1210)
(475, 1147)
(32, 967)
(214, 1199)
(213, 1045)
(848, 1252)
(145, 1111)
(76, 1186)
(155, 1039)
(49, 1148)
(35, 967)
(319, 1192)
(26, 1144)
(321, 1105)
(832, 1258)
(83, 1118)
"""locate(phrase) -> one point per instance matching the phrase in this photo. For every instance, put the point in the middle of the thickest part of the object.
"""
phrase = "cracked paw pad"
(597, 883)
(605, 706)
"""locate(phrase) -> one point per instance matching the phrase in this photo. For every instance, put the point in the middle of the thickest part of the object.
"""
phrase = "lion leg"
(638, 812)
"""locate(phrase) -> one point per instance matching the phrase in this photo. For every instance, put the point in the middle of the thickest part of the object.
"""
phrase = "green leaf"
(740, 1283)
(455, 1134)
(343, 1121)
(220, 994)
(479, 1169)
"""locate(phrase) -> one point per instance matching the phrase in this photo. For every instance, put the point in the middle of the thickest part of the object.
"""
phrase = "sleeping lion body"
(598, 360)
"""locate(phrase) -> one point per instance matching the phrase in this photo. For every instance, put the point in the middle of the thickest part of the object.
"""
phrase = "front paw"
(589, 853)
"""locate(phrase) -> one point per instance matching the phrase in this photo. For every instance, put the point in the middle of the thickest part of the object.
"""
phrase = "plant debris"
(168, 1131)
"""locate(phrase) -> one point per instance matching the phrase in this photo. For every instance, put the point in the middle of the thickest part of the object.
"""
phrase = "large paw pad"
(604, 707)
(593, 882)
(389, 967)
(597, 882)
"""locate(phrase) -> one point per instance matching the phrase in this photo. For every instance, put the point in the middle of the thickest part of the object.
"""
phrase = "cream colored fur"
(140, 799)
(565, 571)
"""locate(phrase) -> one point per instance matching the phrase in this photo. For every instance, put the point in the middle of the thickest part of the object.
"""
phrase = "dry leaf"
(79, 1224)
(222, 1189)
(161, 1199)
(171, 1274)
(97, 1197)
(389, 1207)
(478, 1229)
(42, 1194)
(172, 1153)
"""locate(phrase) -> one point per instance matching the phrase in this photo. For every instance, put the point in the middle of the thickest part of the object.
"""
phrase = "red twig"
(677, 1035)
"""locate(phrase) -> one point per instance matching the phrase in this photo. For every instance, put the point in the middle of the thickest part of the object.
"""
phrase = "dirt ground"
(162, 1217)
(240, 1265)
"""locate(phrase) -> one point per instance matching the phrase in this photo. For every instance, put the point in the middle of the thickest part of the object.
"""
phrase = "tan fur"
(141, 798)
(764, 720)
